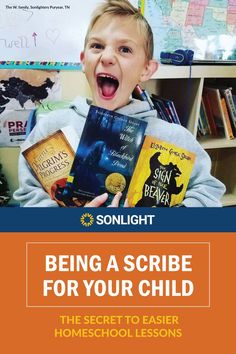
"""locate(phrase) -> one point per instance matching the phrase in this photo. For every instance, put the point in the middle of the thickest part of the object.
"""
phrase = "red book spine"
(209, 114)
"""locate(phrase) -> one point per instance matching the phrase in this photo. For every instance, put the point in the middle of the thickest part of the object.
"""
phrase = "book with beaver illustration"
(161, 175)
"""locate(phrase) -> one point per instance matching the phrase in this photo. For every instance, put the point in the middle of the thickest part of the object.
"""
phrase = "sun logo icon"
(87, 219)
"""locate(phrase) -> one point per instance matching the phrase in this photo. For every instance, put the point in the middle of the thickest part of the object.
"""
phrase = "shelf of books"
(205, 100)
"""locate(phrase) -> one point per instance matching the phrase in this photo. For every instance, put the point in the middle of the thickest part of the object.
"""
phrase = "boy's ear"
(82, 59)
(149, 70)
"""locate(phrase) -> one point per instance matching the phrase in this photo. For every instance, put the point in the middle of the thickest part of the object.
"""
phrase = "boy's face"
(114, 61)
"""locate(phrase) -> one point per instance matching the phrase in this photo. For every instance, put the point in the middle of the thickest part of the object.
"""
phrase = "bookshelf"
(174, 82)
(171, 82)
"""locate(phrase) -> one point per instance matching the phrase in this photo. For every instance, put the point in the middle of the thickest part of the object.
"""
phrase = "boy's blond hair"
(124, 8)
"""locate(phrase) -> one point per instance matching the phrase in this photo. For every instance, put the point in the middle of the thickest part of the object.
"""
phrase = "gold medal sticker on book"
(115, 182)
(51, 160)
(161, 175)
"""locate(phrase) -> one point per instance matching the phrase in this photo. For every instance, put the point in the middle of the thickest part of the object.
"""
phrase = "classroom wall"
(74, 83)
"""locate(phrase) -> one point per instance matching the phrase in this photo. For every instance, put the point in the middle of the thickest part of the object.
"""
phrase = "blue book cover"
(106, 155)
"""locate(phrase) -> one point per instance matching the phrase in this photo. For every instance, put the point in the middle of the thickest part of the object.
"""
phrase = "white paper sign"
(50, 31)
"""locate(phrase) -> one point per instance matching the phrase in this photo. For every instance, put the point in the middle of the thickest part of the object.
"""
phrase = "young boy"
(117, 55)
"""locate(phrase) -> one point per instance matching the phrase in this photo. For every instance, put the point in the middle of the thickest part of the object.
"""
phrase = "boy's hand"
(101, 199)
(115, 201)
(98, 201)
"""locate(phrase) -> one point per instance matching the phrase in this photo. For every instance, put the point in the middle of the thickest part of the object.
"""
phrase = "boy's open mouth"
(107, 84)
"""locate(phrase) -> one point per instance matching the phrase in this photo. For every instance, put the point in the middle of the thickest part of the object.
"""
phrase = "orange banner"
(42, 317)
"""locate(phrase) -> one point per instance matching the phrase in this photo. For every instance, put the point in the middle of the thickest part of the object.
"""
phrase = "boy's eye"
(96, 46)
(125, 50)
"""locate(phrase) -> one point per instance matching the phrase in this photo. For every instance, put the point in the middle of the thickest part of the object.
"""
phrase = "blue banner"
(117, 219)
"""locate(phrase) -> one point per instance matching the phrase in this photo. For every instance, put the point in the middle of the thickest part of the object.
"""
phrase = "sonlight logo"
(88, 219)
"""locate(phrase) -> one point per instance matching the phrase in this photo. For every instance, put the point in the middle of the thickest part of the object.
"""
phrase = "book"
(204, 120)
(142, 95)
(175, 114)
(234, 99)
(106, 156)
(209, 113)
(162, 109)
(227, 94)
(161, 175)
(229, 130)
(222, 120)
(51, 159)
(200, 128)
(161, 114)
(169, 108)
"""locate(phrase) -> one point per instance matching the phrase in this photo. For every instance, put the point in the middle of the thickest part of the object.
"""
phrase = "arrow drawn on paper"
(34, 35)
